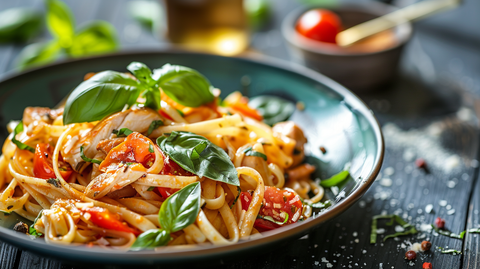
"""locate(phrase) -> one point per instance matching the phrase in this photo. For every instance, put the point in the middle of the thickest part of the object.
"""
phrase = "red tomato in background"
(275, 201)
(42, 163)
(319, 24)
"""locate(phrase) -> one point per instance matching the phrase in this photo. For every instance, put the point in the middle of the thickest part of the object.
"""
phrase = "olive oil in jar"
(216, 26)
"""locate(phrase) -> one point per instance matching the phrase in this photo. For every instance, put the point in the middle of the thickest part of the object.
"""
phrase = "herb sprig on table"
(92, 38)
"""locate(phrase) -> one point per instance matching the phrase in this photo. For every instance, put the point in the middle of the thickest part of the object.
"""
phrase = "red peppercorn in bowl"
(364, 66)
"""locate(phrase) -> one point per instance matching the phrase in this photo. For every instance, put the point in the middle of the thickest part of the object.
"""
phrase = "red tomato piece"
(165, 115)
(102, 217)
(135, 149)
(319, 24)
(166, 192)
(42, 163)
(170, 167)
(265, 225)
(246, 199)
(280, 203)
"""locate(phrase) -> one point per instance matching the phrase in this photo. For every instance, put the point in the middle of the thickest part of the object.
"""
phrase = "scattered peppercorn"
(410, 255)
(426, 245)
(323, 150)
(21, 227)
(427, 265)
(420, 163)
(440, 223)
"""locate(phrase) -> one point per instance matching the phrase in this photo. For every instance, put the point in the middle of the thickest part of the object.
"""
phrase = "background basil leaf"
(147, 13)
(151, 239)
(38, 54)
(104, 94)
(18, 129)
(19, 24)
(60, 22)
(273, 109)
(181, 208)
(94, 38)
(184, 85)
(142, 73)
(212, 161)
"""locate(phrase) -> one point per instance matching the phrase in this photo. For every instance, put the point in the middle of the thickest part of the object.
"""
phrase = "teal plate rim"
(194, 255)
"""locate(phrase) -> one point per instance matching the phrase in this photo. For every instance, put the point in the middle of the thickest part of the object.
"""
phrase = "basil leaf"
(147, 13)
(55, 182)
(18, 129)
(153, 126)
(335, 179)
(256, 154)
(60, 22)
(181, 208)
(321, 205)
(19, 24)
(150, 148)
(153, 99)
(142, 73)
(94, 38)
(236, 198)
(272, 108)
(151, 239)
(269, 218)
(151, 188)
(198, 155)
(102, 95)
(122, 132)
(32, 230)
(38, 54)
(449, 251)
(184, 85)
(85, 158)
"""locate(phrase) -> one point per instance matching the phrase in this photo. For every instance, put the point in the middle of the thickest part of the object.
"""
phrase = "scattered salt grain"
(442, 202)
(355, 234)
(389, 171)
(448, 207)
(425, 227)
(380, 231)
(399, 229)
(451, 184)
(335, 190)
(429, 208)
(451, 212)
(362, 204)
(386, 182)
(416, 247)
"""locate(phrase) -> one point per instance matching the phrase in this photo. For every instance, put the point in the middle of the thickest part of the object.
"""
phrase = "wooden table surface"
(429, 112)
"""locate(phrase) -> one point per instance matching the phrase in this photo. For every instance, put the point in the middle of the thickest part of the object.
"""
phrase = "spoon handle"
(410, 13)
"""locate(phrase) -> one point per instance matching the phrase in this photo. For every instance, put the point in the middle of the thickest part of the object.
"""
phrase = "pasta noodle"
(86, 183)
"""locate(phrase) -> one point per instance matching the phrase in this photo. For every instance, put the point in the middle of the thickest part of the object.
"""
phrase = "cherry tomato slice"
(276, 202)
(42, 163)
(102, 217)
(265, 225)
(170, 167)
(246, 200)
(136, 149)
(319, 24)
(166, 192)
(245, 110)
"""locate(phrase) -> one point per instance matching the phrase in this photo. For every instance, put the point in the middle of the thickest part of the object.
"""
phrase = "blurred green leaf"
(147, 13)
(258, 12)
(19, 24)
(60, 22)
(38, 54)
(94, 38)
(321, 2)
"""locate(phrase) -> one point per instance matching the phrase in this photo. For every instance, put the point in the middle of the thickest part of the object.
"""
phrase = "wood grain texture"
(471, 248)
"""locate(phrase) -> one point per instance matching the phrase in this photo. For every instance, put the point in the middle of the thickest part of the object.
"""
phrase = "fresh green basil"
(19, 24)
(150, 148)
(250, 152)
(144, 75)
(85, 158)
(448, 233)
(37, 54)
(239, 191)
(269, 218)
(60, 22)
(103, 94)
(272, 108)
(258, 12)
(408, 228)
(176, 213)
(32, 230)
(55, 182)
(18, 129)
(94, 38)
(449, 251)
(321, 205)
(151, 188)
(147, 13)
(151, 239)
(335, 179)
(198, 155)
(181, 208)
(153, 126)
(124, 132)
(184, 85)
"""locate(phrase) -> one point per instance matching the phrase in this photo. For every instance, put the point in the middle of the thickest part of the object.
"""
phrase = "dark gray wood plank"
(31, 261)
(471, 248)
(9, 255)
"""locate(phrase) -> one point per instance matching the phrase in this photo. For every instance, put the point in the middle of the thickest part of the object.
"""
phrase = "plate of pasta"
(176, 157)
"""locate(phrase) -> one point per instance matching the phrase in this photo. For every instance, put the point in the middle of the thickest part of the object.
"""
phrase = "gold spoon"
(409, 13)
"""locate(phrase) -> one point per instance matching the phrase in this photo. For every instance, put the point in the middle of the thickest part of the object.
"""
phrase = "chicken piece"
(108, 144)
(301, 171)
(137, 120)
(45, 114)
(111, 181)
(291, 130)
